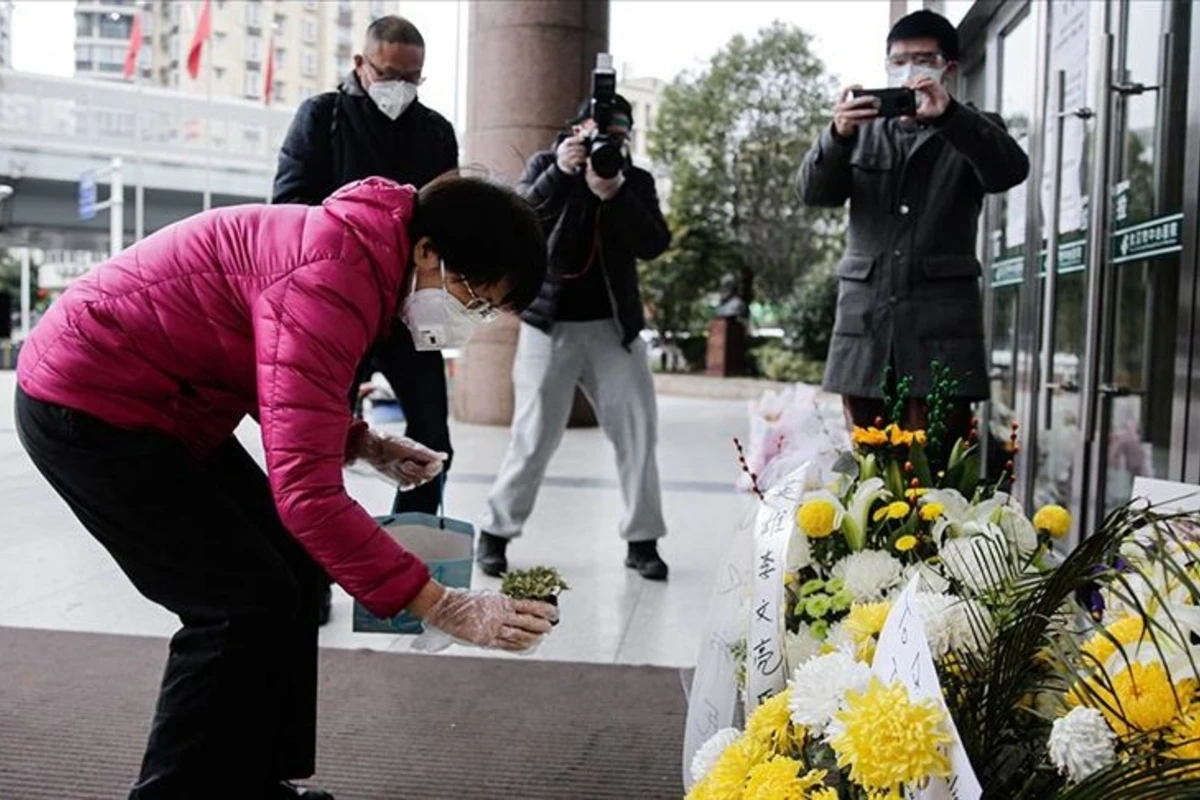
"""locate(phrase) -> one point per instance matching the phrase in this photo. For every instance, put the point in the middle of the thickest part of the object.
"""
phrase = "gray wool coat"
(909, 280)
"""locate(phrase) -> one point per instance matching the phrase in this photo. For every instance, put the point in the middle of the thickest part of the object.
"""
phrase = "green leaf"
(895, 480)
(920, 462)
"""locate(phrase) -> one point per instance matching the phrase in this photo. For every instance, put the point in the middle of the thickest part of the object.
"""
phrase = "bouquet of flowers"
(1078, 681)
(906, 502)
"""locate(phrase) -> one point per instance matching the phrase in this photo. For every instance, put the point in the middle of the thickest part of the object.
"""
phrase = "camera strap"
(593, 251)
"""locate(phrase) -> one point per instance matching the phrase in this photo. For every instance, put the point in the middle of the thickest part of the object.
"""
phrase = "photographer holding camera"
(915, 164)
(601, 214)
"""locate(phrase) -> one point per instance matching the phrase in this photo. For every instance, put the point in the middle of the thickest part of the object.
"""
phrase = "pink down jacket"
(250, 310)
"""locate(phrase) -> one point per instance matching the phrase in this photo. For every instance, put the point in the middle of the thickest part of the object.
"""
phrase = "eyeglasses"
(479, 307)
(917, 59)
(391, 76)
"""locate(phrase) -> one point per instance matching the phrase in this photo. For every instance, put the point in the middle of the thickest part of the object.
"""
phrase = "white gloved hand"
(485, 619)
(405, 462)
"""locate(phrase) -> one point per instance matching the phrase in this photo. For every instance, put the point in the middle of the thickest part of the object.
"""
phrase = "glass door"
(1137, 279)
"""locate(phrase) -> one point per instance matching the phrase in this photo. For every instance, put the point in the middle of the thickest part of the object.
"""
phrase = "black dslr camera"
(605, 155)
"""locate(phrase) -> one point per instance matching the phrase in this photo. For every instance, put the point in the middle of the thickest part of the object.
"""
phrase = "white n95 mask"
(392, 97)
(436, 319)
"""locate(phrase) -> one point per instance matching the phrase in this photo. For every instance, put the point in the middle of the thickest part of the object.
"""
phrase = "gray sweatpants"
(618, 382)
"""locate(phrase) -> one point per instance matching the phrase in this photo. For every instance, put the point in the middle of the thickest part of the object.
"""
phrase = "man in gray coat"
(909, 290)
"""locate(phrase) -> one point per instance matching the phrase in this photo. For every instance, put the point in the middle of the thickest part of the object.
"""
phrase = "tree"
(734, 135)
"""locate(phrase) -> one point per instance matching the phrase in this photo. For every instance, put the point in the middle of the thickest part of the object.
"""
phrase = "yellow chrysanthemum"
(896, 510)
(921, 437)
(1185, 736)
(871, 437)
(887, 740)
(866, 620)
(817, 518)
(824, 793)
(906, 543)
(916, 493)
(1127, 630)
(1054, 520)
(780, 779)
(727, 779)
(931, 511)
(1141, 698)
(771, 725)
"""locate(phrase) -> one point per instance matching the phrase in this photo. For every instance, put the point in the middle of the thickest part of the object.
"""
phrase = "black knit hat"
(926, 24)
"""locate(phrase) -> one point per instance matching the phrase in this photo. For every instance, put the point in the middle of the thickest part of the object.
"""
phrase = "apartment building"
(314, 43)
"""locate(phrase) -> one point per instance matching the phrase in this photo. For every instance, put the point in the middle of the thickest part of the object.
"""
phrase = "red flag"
(135, 47)
(203, 31)
(269, 88)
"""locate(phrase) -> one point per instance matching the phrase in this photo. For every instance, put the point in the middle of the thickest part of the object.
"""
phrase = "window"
(84, 24)
(254, 13)
(277, 94)
(280, 24)
(173, 10)
(310, 64)
(279, 54)
(254, 48)
(378, 9)
(115, 28)
(310, 31)
(254, 82)
(174, 48)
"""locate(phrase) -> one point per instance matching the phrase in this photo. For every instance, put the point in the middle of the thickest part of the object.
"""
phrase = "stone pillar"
(530, 64)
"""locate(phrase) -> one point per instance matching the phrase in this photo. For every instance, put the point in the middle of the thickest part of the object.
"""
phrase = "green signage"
(1154, 237)
(1150, 239)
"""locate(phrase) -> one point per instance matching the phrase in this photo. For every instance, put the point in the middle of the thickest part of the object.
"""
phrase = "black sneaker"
(491, 558)
(290, 791)
(644, 557)
(326, 607)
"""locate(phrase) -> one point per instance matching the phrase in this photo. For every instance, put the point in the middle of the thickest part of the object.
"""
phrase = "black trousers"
(237, 709)
(418, 378)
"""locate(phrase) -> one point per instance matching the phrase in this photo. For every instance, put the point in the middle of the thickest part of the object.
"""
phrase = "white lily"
(854, 525)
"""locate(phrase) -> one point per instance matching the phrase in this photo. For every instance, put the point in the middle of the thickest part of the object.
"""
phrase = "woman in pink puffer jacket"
(129, 391)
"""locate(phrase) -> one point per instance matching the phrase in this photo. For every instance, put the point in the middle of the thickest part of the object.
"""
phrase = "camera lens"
(607, 159)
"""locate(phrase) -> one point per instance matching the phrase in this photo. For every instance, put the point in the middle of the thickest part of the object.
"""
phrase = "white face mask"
(392, 97)
(911, 73)
(437, 319)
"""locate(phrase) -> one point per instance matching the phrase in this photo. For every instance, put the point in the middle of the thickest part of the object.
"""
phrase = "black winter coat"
(631, 227)
(910, 281)
(339, 137)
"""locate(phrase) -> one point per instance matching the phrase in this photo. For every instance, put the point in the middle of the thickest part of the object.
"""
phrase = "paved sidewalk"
(53, 575)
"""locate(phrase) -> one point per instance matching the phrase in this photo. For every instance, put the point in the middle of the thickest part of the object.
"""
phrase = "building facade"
(314, 43)
(1091, 269)
(6, 23)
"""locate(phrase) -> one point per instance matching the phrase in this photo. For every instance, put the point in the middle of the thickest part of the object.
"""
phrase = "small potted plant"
(537, 583)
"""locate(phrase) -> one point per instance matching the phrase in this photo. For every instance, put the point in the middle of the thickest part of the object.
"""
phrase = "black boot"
(326, 607)
(290, 791)
(644, 557)
(491, 558)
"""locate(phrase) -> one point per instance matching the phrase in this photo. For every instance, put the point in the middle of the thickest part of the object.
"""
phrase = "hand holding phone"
(853, 109)
(897, 102)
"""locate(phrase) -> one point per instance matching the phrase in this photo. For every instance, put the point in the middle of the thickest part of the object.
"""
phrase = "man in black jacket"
(584, 328)
(909, 280)
(374, 125)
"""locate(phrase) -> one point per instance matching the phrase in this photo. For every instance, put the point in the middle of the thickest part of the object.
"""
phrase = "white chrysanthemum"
(710, 752)
(1081, 743)
(799, 647)
(980, 561)
(952, 623)
(819, 688)
(869, 574)
(840, 638)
